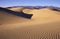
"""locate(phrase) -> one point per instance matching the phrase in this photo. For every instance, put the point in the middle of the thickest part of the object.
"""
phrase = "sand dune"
(45, 24)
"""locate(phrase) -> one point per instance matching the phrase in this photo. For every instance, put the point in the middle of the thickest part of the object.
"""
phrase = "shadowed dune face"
(56, 10)
(10, 17)
(21, 14)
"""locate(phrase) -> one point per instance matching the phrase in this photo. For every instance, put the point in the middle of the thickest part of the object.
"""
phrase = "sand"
(45, 24)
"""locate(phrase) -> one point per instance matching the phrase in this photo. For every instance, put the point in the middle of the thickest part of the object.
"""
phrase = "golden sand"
(45, 24)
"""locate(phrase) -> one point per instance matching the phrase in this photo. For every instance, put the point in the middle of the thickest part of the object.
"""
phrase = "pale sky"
(5, 3)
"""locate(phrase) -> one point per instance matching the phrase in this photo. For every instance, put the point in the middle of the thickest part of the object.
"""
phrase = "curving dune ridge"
(8, 16)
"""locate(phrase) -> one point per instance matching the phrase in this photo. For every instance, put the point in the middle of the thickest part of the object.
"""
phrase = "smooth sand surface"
(45, 24)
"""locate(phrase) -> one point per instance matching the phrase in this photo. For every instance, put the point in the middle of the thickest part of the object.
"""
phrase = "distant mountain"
(54, 8)
(36, 7)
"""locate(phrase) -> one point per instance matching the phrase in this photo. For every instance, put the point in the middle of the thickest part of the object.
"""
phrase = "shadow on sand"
(21, 14)
(55, 10)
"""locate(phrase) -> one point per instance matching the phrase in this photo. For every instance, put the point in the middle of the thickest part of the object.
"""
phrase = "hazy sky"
(4, 3)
